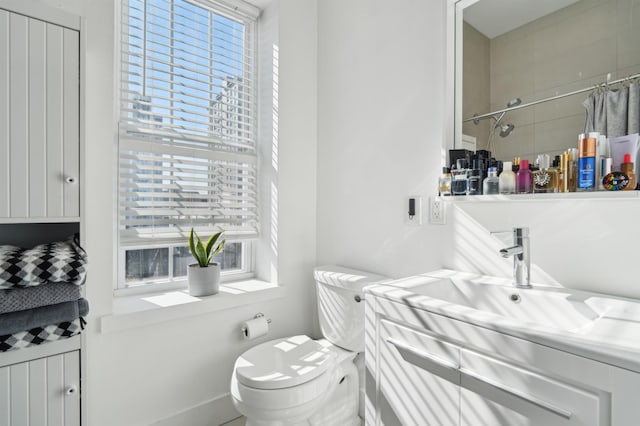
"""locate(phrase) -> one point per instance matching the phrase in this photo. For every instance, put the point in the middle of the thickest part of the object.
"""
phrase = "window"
(187, 136)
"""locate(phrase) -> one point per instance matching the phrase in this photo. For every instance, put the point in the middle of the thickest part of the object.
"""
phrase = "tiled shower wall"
(571, 49)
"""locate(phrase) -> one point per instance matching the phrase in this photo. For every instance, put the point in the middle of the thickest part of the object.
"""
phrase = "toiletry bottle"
(507, 179)
(606, 169)
(523, 178)
(459, 178)
(491, 184)
(475, 180)
(572, 169)
(602, 152)
(627, 168)
(556, 165)
(562, 173)
(444, 182)
(482, 166)
(545, 179)
(587, 161)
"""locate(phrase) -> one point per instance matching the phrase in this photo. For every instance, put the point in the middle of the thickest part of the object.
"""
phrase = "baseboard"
(213, 412)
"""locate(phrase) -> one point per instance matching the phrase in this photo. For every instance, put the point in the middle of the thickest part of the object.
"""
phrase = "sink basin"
(602, 327)
(549, 307)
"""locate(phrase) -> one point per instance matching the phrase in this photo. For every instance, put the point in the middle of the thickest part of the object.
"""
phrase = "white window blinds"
(187, 137)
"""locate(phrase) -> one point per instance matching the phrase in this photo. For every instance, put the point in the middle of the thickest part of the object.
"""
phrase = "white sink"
(573, 320)
(551, 308)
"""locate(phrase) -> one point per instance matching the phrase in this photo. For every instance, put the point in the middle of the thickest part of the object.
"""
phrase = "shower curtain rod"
(552, 98)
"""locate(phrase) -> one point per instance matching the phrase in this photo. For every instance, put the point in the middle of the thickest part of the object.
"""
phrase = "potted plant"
(204, 276)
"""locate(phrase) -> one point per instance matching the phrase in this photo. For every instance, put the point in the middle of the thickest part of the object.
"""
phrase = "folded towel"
(21, 299)
(61, 261)
(14, 322)
(40, 335)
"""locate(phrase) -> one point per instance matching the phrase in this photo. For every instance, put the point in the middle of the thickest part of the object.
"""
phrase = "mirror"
(510, 52)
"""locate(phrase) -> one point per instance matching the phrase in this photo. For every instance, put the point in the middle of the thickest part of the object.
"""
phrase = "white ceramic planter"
(203, 281)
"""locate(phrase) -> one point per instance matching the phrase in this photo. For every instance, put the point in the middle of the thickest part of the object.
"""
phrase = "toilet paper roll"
(255, 328)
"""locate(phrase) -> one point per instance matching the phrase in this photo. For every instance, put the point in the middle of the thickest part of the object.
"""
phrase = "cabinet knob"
(70, 179)
(71, 390)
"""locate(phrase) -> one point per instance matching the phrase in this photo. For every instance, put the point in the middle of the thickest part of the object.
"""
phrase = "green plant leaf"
(203, 259)
(219, 248)
(192, 245)
(211, 243)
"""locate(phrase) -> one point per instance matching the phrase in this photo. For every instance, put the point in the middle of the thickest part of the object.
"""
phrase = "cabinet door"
(39, 118)
(418, 378)
(44, 391)
(498, 393)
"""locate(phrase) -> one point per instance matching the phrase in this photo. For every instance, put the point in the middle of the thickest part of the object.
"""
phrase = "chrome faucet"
(521, 257)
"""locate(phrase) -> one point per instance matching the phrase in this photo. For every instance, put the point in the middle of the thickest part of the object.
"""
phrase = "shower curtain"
(614, 112)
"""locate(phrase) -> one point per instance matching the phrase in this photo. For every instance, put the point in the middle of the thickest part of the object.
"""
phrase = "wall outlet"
(437, 211)
(413, 212)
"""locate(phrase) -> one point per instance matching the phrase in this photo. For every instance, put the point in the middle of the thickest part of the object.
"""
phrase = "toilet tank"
(341, 304)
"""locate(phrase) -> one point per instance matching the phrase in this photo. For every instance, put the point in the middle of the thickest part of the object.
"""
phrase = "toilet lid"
(283, 363)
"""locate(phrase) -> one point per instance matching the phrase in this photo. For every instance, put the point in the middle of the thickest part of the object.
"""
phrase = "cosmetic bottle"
(627, 168)
(602, 153)
(567, 169)
(545, 179)
(587, 161)
(459, 178)
(444, 182)
(507, 179)
(572, 169)
(475, 180)
(562, 173)
(556, 165)
(606, 169)
(523, 178)
(491, 184)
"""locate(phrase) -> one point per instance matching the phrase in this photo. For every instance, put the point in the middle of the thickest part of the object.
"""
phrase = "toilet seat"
(283, 363)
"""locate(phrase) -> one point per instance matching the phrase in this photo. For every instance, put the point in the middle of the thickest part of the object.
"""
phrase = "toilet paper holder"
(256, 316)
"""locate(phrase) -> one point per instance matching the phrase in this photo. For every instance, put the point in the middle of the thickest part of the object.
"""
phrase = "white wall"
(160, 372)
(584, 244)
(380, 131)
(381, 113)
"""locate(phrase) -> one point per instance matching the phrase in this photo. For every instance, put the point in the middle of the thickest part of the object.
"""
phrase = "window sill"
(153, 308)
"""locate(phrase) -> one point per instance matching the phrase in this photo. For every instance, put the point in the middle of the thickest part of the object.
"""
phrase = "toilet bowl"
(300, 381)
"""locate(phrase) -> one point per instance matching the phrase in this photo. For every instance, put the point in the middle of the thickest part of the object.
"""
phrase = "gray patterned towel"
(41, 335)
(61, 261)
(14, 322)
(21, 299)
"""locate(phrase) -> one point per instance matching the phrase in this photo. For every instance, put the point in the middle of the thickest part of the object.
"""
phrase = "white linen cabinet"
(40, 148)
(42, 391)
(39, 120)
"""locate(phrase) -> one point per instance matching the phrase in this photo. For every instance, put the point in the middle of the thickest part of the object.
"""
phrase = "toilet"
(296, 380)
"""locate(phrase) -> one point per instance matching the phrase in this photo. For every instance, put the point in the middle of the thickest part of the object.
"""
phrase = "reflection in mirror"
(521, 52)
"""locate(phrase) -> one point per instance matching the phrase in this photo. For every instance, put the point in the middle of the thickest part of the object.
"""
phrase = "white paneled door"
(44, 391)
(39, 119)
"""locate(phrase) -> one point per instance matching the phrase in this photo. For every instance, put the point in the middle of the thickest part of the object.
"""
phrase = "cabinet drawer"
(496, 392)
(419, 383)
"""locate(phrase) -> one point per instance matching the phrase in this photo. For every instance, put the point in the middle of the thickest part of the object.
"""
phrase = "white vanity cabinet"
(39, 120)
(428, 369)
